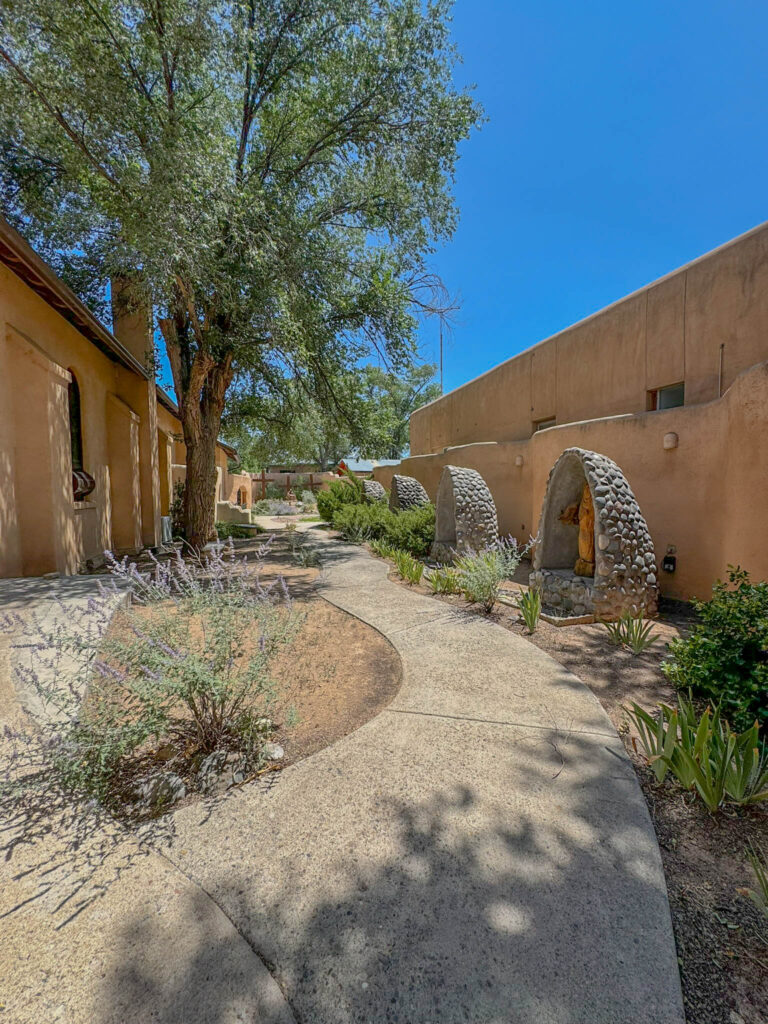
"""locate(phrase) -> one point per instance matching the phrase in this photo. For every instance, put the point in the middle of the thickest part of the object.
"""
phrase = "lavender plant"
(183, 668)
(480, 573)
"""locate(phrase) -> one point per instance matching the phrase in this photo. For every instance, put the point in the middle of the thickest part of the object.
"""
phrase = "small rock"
(273, 751)
(210, 769)
(162, 790)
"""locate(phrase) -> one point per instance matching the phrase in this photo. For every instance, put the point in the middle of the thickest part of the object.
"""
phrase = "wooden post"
(263, 483)
(312, 482)
(287, 484)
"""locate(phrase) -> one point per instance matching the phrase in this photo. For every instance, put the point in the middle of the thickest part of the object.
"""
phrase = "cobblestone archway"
(625, 576)
(406, 492)
(373, 491)
(465, 515)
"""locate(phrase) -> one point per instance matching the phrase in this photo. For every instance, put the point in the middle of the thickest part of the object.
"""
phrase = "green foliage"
(529, 605)
(759, 863)
(303, 552)
(280, 174)
(236, 530)
(631, 632)
(340, 493)
(725, 659)
(370, 416)
(408, 568)
(273, 507)
(274, 491)
(412, 530)
(185, 667)
(444, 580)
(479, 577)
(382, 549)
(703, 753)
(176, 510)
(307, 499)
(481, 573)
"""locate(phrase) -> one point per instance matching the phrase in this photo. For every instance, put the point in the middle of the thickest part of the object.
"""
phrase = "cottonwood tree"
(274, 173)
(369, 418)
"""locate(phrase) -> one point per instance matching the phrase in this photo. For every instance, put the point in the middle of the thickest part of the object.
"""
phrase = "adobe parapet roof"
(21, 258)
(593, 316)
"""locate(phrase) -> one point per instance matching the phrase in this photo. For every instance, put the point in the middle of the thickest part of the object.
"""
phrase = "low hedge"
(340, 494)
(412, 530)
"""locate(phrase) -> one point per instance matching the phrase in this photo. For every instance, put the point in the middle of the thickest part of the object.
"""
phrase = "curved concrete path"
(479, 852)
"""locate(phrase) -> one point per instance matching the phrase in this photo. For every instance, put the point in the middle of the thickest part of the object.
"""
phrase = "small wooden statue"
(582, 514)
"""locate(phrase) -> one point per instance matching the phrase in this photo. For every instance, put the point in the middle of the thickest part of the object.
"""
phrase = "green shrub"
(480, 574)
(703, 753)
(382, 549)
(529, 604)
(408, 567)
(307, 499)
(444, 580)
(412, 530)
(236, 530)
(632, 633)
(725, 659)
(185, 669)
(339, 494)
(275, 490)
(176, 511)
(273, 507)
(509, 555)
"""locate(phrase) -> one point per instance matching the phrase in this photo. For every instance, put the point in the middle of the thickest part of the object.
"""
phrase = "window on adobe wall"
(666, 398)
(75, 424)
(543, 424)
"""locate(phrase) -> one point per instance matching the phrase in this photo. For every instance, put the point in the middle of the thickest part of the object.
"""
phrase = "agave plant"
(408, 568)
(631, 632)
(759, 863)
(444, 580)
(529, 605)
(703, 753)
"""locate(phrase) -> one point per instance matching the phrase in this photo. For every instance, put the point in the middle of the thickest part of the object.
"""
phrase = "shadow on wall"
(446, 917)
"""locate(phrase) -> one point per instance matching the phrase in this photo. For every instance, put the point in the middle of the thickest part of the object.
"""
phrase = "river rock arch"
(625, 564)
(406, 492)
(465, 515)
(373, 492)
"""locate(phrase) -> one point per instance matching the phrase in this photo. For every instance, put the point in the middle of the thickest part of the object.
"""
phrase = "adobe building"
(86, 449)
(671, 383)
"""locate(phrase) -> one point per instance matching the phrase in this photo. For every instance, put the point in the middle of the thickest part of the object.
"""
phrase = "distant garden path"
(478, 852)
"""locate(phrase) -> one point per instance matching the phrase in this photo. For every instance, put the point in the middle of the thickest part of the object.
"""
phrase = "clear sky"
(623, 139)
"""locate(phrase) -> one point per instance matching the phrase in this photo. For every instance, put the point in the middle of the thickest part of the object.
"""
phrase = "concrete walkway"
(479, 852)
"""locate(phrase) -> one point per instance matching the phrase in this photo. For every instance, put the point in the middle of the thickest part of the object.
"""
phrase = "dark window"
(75, 424)
(667, 398)
(543, 424)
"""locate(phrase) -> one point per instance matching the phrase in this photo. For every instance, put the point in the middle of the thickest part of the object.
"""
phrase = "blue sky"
(623, 139)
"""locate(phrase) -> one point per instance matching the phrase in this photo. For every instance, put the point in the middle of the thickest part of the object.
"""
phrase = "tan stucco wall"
(706, 496)
(227, 484)
(668, 332)
(41, 528)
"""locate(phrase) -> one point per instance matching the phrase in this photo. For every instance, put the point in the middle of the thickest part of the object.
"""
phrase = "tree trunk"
(201, 386)
(200, 486)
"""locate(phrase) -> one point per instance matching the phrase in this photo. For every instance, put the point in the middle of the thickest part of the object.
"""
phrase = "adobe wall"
(668, 332)
(42, 529)
(706, 496)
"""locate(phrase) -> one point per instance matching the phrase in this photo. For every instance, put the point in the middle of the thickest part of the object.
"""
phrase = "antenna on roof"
(442, 391)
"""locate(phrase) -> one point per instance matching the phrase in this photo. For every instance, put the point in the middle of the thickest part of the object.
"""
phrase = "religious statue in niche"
(582, 514)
